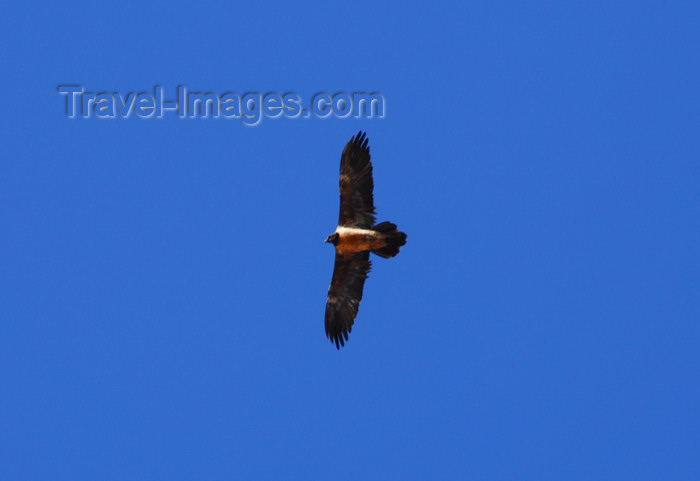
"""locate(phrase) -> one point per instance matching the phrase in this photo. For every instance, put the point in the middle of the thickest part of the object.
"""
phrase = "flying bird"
(354, 238)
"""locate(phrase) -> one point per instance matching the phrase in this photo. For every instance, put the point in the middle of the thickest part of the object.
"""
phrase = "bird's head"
(333, 238)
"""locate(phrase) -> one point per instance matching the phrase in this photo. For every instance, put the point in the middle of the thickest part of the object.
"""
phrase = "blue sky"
(163, 281)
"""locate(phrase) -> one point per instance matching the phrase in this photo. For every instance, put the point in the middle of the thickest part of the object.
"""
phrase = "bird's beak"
(327, 239)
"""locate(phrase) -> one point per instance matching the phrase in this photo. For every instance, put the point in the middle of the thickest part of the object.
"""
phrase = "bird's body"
(354, 238)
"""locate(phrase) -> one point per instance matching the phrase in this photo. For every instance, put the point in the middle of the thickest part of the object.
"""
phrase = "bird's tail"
(393, 238)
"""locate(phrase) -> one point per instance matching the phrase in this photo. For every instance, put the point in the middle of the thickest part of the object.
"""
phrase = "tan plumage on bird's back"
(351, 240)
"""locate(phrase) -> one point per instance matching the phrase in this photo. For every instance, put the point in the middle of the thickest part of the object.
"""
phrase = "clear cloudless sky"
(163, 281)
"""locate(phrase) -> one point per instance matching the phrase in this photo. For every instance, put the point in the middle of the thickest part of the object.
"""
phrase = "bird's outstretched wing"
(356, 184)
(345, 294)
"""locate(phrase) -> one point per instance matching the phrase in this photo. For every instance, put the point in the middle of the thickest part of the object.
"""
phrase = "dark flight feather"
(356, 184)
(345, 294)
(393, 238)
